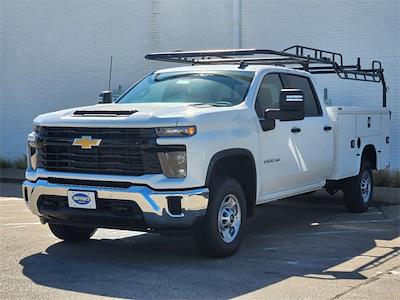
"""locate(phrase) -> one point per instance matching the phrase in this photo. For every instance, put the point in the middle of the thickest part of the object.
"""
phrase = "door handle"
(327, 128)
(295, 130)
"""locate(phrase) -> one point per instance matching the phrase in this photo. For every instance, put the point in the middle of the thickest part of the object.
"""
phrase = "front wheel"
(221, 231)
(71, 233)
(358, 190)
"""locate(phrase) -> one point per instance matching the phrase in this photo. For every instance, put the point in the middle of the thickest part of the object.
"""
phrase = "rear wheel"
(72, 233)
(358, 190)
(221, 232)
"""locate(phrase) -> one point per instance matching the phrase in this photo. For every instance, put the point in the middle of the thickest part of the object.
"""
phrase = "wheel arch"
(225, 163)
(369, 154)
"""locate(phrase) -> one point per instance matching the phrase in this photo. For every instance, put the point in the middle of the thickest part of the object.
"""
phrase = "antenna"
(109, 77)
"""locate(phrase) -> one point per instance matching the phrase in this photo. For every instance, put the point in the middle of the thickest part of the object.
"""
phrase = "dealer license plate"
(82, 199)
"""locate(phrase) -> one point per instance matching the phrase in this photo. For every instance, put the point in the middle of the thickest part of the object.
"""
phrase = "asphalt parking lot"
(299, 248)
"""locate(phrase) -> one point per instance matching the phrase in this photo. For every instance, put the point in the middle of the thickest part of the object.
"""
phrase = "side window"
(268, 94)
(311, 107)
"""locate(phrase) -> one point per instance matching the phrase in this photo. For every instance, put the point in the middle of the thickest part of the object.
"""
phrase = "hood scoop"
(103, 113)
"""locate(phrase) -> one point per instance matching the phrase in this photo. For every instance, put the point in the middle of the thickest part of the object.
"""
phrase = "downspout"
(236, 26)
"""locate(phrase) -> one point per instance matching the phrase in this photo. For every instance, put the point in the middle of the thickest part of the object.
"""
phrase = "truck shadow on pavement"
(310, 237)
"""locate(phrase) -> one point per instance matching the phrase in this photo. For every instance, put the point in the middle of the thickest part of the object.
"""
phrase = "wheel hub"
(229, 218)
(365, 186)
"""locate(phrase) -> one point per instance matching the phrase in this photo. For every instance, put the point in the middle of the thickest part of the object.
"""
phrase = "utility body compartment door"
(354, 129)
(346, 162)
(383, 156)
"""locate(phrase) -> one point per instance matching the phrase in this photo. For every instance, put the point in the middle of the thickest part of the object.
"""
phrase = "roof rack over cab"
(313, 60)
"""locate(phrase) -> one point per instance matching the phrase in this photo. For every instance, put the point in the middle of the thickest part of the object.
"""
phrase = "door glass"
(268, 94)
(311, 108)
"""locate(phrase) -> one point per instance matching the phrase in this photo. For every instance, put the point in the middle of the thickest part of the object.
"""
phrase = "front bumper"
(155, 211)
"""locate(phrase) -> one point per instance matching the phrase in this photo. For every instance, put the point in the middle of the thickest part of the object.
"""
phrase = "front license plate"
(81, 199)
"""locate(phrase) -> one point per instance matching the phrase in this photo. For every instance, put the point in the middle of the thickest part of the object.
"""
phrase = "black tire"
(71, 233)
(358, 190)
(209, 239)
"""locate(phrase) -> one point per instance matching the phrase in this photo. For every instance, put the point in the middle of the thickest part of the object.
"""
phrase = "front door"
(296, 154)
(278, 165)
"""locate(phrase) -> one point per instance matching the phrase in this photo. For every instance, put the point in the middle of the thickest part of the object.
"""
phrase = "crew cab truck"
(196, 148)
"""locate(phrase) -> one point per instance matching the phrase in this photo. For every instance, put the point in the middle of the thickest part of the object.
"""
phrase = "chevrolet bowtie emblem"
(86, 142)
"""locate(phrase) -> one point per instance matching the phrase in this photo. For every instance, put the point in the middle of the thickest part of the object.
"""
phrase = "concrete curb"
(381, 194)
(12, 175)
(386, 195)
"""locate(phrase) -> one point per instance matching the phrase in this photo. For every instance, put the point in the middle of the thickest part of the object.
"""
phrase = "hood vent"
(103, 113)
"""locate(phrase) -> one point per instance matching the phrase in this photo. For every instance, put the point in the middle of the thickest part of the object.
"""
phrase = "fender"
(251, 191)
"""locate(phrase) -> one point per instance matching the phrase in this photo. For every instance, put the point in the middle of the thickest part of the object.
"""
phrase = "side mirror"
(105, 97)
(291, 106)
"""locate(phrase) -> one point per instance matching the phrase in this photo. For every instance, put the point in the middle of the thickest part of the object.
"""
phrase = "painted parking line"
(320, 233)
(115, 234)
(361, 221)
(3, 199)
(22, 224)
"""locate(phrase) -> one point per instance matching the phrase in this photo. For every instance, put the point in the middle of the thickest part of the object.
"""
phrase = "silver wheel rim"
(229, 218)
(365, 186)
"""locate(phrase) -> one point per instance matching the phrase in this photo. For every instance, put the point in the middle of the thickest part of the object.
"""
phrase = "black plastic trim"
(114, 214)
(234, 152)
(104, 112)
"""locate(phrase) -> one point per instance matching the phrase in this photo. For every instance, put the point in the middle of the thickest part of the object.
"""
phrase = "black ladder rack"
(315, 61)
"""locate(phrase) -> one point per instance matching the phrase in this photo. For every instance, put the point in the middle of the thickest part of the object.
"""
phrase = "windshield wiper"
(214, 103)
(169, 77)
(157, 79)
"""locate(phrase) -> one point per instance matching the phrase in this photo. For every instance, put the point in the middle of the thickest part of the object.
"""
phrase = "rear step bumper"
(134, 207)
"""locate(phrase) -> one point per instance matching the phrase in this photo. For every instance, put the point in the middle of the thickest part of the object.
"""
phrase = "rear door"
(312, 145)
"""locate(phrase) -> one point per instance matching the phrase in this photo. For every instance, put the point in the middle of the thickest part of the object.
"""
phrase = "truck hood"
(126, 115)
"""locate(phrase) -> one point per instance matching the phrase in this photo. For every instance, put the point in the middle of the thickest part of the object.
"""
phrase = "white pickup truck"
(196, 148)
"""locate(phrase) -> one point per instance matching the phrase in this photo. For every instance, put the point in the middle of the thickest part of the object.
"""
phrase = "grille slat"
(106, 144)
(74, 155)
(123, 151)
(104, 164)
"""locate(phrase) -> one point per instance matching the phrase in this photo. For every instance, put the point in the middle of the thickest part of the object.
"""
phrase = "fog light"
(174, 205)
(173, 163)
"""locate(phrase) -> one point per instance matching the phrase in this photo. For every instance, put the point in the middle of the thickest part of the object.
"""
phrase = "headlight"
(34, 141)
(176, 131)
(32, 151)
(173, 163)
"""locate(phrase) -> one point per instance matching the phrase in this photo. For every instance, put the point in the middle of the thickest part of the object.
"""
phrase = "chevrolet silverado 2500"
(197, 147)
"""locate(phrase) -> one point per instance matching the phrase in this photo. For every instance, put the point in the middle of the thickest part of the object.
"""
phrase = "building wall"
(359, 28)
(55, 54)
